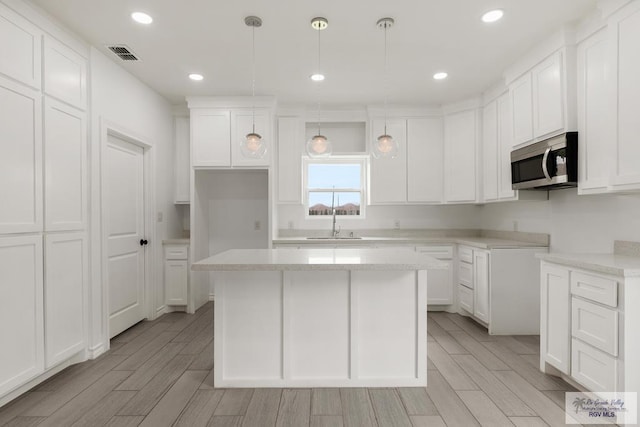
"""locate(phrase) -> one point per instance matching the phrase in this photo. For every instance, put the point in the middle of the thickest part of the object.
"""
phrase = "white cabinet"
(490, 170)
(291, 135)
(624, 28)
(216, 135)
(439, 282)
(20, 44)
(21, 310)
(425, 158)
(543, 99)
(481, 285)
(505, 145)
(65, 74)
(182, 161)
(460, 156)
(20, 158)
(64, 295)
(555, 317)
(65, 159)
(176, 273)
(388, 176)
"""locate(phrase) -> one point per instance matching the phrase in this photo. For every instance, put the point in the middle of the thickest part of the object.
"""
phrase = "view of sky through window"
(329, 182)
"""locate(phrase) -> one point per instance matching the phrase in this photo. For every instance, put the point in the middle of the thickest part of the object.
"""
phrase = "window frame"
(362, 160)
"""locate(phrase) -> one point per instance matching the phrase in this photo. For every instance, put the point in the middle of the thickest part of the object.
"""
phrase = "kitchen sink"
(335, 238)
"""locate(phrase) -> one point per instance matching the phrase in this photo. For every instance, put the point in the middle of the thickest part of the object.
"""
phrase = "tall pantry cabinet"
(43, 189)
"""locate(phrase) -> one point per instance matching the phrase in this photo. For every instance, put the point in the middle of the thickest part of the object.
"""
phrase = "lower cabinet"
(176, 273)
(555, 317)
(481, 285)
(439, 282)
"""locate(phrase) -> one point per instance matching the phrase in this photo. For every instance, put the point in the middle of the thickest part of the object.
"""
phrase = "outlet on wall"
(290, 225)
(396, 224)
(257, 226)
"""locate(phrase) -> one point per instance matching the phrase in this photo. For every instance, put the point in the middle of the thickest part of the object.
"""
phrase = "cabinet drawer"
(439, 252)
(592, 368)
(595, 325)
(465, 254)
(465, 274)
(465, 295)
(595, 288)
(176, 252)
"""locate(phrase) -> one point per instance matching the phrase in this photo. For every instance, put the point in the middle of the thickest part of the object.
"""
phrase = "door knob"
(143, 242)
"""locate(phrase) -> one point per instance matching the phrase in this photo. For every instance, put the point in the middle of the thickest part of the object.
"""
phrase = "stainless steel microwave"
(546, 165)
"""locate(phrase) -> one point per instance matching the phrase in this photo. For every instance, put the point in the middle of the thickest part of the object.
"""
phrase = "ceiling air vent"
(123, 52)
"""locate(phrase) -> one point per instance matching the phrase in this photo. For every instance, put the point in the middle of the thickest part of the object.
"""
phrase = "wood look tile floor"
(160, 373)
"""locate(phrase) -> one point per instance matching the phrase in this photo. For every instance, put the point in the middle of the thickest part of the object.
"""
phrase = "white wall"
(121, 99)
(575, 223)
(410, 217)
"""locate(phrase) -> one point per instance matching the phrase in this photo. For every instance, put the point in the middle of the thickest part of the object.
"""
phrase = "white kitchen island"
(320, 317)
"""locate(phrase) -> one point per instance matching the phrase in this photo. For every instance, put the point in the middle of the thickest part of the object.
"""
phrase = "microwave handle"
(544, 163)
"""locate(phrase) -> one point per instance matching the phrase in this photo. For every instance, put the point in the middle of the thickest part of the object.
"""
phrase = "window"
(335, 182)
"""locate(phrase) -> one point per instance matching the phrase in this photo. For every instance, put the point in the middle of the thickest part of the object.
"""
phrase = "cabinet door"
(505, 145)
(625, 26)
(21, 327)
(21, 47)
(176, 276)
(555, 310)
(548, 95)
(593, 115)
(290, 143)
(522, 109)
(425, 157)
(65, 74)
(388, 176)
(65, 159)
(210, 137)
(481, 285)
(460, 136)
(241, 125)
(440, 285)
(182, 161)
(64, 295)
(490, 151)
(20, 158)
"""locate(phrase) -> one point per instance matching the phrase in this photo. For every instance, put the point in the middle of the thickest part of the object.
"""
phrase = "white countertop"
(616, 265)
(478, 242)
(318, 259)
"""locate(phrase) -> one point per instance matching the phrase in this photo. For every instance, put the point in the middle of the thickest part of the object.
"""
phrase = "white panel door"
(21, 327)
(425, 158)
(20, 158)
(64, 295)
(388, 176)
(124, 205)
(481, 282)
(490, 151)
(65, 159)
(210, 137)
(241, 125)
(65, 73)
(522, 109)
(626, 71)
(290, 142)
(594, 116)
(555, 321)
(460, 133)
(505, 145)
(548, 97)
(21, 47)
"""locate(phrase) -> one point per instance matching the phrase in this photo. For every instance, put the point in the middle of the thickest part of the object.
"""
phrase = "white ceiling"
(210, 37)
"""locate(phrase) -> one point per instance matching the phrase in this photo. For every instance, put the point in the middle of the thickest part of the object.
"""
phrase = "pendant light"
(385, 145)
(319, 145)
(253, 144)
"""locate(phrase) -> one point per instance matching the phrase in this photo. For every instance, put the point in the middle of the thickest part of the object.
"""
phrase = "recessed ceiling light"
(317, 77)
(440, 76)
(141, 18)
(492, 16)
(196, 77)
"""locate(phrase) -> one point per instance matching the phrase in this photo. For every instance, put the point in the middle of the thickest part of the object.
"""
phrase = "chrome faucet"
(334, 232)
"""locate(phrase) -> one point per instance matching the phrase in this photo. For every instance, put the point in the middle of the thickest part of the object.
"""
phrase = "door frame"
(108, 128)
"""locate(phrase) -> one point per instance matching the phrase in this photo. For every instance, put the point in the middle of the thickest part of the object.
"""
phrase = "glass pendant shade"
(253, 146)
(319, 146)
(385, 146)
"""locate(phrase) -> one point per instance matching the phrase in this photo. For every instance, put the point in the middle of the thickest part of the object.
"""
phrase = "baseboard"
(212, 297)
(95, 351)
(160, 311)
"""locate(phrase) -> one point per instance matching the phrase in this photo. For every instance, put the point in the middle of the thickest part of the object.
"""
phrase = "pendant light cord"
(253, 77)
(318, 89)
(386, 79)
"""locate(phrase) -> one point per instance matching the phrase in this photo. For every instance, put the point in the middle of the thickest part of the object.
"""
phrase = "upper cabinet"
(543, 99)
(425, 158)
(460, 156)
(388, 176)
(20, 44)
(182, 169)
(65, 74)
(217, 132)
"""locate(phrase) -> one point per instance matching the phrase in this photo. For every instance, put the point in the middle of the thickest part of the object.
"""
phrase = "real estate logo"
(601, 408)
